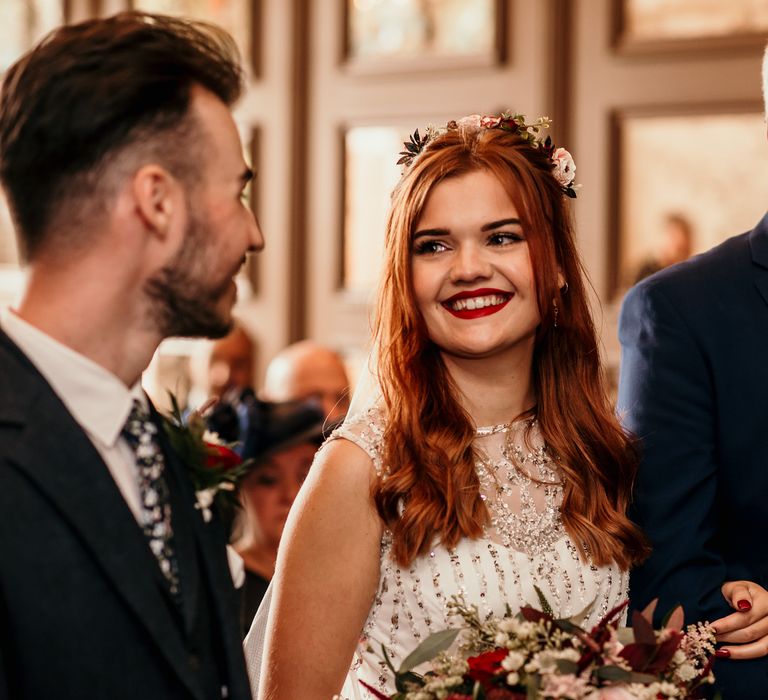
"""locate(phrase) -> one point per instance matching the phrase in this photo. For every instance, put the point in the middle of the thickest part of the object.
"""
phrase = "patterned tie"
(141, 434)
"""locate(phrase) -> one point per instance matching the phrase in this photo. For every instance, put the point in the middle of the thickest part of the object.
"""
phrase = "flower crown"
(563, 167)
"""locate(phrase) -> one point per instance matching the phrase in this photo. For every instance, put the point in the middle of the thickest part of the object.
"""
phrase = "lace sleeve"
(365, 430)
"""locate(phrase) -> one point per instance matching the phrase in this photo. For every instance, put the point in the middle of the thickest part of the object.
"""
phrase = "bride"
(492, 461)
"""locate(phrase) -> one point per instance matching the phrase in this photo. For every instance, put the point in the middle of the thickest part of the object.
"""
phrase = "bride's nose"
(470, 263)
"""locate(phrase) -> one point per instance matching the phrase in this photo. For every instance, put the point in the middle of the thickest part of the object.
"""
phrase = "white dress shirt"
(96, 398)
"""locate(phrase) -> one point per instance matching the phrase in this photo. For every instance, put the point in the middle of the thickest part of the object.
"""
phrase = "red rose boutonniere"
(214, 468)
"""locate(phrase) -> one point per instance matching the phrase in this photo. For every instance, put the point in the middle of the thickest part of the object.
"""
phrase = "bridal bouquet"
(533, 655)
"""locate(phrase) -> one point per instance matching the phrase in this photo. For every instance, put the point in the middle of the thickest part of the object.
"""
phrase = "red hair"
(426, 426)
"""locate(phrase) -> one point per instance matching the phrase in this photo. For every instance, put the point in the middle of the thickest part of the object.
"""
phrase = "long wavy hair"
(427, 428)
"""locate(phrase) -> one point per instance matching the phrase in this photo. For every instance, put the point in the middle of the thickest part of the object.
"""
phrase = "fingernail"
(744, 605)
(713, 628)
(722, 653)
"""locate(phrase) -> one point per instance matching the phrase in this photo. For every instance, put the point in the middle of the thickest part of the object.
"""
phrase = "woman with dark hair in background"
(292, 433)
(280, 440)
(491, 462)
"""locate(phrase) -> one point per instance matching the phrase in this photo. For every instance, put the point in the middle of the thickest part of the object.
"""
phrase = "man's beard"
(184, 304)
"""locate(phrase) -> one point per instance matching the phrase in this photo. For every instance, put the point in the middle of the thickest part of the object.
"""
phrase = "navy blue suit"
(84, 609)
(694, 389)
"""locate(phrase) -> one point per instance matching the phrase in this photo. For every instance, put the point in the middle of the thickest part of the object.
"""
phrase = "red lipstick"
(468, 313)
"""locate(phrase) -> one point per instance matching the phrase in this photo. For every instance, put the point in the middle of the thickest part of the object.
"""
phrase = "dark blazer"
(84, 609)
(694, 389)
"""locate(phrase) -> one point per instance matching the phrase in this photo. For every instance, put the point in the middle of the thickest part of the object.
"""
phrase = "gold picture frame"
(671, 164)
(687, 26)
(241, 18)
(424, 37)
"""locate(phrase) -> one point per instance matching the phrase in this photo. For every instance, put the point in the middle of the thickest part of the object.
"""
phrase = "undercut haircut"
(92, 97)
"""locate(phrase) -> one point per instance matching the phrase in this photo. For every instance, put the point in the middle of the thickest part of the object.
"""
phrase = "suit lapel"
(55, 454)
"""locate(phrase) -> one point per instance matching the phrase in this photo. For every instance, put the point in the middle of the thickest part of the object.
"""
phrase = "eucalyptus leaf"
(428, 649)
(566, 666)
(568, 626)
(612, 673)
(618, 674)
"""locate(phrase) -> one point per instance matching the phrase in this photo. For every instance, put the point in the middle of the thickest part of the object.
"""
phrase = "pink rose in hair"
(490, 122)
(473, 121)
(563, 167)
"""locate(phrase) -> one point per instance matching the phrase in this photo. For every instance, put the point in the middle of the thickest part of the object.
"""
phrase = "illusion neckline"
(486, 430)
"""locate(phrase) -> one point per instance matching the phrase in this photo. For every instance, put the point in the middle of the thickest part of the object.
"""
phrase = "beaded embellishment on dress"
(520, 485)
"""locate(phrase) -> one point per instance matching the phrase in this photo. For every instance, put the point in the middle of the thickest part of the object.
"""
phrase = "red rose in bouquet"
(484, 667)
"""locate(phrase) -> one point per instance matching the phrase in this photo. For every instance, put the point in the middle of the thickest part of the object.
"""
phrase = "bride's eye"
(505, 238)
(429, 247)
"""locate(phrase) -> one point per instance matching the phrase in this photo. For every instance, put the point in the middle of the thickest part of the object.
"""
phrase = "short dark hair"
(91, 90)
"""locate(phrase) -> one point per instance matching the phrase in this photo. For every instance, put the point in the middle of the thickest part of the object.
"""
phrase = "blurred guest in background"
(291, 435)
(674, 245)
(693, 388)
(307, 370)
(231, 362)
(224, 366)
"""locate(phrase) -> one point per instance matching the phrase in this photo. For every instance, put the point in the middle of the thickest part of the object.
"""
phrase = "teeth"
(478, 302)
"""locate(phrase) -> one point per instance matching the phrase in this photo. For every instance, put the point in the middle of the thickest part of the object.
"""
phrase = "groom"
(124, 172)
(694, 389)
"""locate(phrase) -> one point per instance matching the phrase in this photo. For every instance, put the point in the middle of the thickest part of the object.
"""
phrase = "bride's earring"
(557, 311)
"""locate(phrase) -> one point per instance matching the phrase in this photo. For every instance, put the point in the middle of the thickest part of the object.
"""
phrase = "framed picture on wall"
(682, 183)
(241, 18)
(408, 35)
(369, 175)
(648, 26)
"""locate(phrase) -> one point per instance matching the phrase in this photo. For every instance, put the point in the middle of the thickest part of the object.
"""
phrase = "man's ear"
(157, 196)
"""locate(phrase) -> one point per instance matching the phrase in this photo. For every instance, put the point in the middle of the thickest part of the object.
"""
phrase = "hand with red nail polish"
(746, 630)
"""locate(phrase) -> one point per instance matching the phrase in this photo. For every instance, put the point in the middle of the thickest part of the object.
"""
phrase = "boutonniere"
(214, 467)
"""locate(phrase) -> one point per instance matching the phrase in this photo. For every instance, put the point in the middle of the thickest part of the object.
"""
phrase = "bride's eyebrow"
(430, 232)
(500, 223)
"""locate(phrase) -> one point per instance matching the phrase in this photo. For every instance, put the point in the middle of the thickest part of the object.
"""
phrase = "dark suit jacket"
(84, 609)
(694, 388)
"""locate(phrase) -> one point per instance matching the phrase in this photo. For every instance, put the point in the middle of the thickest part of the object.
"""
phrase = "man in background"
(124, 172)
(307, 370)
(694, 389)
(231, 362)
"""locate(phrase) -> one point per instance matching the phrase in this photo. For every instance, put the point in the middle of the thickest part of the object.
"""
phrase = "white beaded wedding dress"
(525, 545)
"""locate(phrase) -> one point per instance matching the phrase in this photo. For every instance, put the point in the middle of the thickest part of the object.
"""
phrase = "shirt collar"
(96, 398)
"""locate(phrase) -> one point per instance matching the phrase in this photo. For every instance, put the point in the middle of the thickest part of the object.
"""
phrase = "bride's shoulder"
(363, 432)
